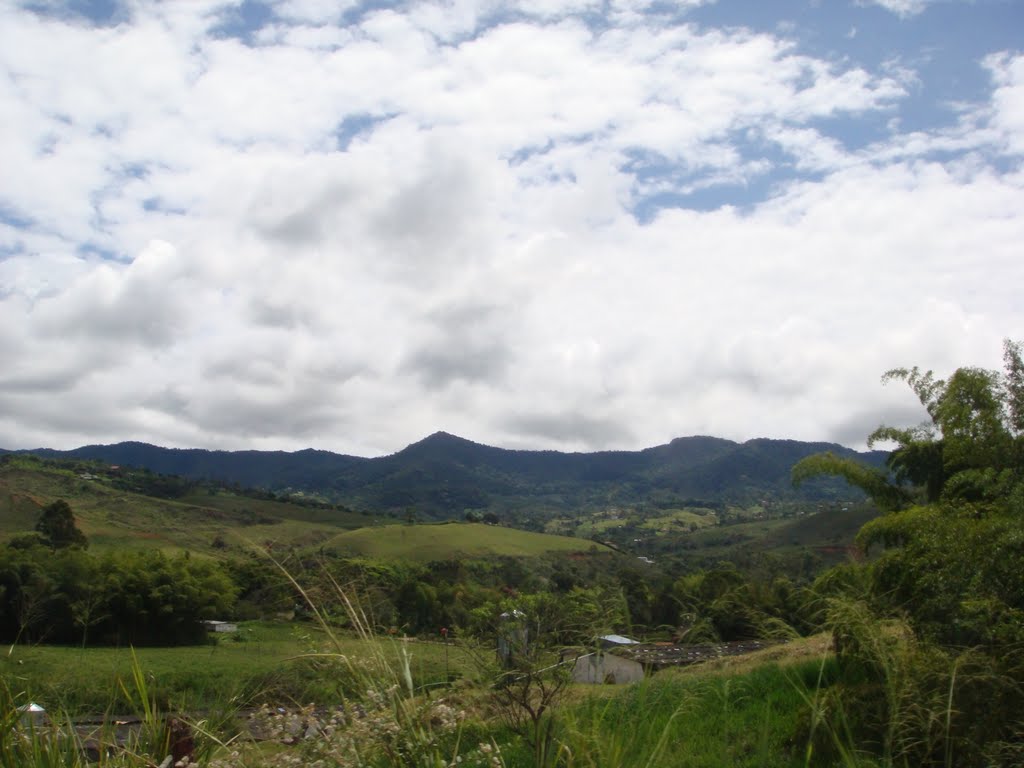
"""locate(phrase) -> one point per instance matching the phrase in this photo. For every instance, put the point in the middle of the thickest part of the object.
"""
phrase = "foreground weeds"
(800, 714)
(898, 701)
(745, 719)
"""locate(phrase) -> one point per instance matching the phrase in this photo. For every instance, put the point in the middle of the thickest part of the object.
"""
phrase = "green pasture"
(424, 543)
(281, 664)
(676, 520)
(753, 712)
(757, 713)
(254, 511)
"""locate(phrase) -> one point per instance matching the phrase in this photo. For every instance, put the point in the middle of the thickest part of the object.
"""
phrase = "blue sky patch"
(100, 13)
(244, 21)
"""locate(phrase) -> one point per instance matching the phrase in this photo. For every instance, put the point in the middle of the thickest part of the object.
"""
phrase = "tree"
(88, 611)
(57, 525)
(532, 680)
(886, 494)
(951, 541)
(972, 449)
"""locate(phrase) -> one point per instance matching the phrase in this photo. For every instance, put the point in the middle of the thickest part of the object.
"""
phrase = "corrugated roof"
(619, 640)
(667, 655)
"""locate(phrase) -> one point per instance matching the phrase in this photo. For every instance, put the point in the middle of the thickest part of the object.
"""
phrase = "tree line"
(71, 596)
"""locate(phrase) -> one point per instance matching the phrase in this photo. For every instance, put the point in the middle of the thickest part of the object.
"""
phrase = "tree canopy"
(57, 525)
(971, 449)
(952, 546)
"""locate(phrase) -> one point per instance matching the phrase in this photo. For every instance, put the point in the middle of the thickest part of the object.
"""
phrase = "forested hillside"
(444, 476)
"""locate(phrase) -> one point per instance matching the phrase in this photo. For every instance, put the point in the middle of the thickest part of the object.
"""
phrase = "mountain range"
(444, 476)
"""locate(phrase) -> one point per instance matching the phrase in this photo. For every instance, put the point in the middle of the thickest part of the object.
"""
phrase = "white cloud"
(1008, 99)
(903, 8)
(471, 259)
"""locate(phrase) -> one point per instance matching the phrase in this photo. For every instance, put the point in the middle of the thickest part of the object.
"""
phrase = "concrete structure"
(599, 667)
(513, 638)
(627, 662)
(220, 626)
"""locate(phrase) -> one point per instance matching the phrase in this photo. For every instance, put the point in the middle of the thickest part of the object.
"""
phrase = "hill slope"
(424, 543)
(113, 518)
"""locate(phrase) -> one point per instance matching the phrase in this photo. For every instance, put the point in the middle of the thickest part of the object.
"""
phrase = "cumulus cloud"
(1008, 99)
(138, 303)
(903, 8)
(464, 343)
(349, 226)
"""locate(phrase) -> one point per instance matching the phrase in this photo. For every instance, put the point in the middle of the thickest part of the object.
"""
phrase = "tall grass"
(724, 719)
(899, 701)
(26, 741)
(45, 740)
(385, 719)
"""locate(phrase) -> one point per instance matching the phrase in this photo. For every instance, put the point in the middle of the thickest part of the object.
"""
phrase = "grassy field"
(217, 523)
(423, 543)
(253, 510)
(756, 718)
(281, 664)
(745, 711)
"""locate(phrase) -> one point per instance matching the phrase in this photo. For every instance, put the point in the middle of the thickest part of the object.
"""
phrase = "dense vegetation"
(145, 597)
(71, 596)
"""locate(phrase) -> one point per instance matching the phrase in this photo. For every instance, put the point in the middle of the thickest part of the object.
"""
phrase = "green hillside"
(219, 521)
(424, 543)
(113, 518)
(118, 507)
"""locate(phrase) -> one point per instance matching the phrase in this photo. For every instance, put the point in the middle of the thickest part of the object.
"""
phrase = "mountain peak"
(442, 435)
(440, 439)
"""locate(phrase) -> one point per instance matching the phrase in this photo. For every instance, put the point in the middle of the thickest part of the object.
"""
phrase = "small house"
(220, 626)
(627, 662)
(617, 641)
(600, 667)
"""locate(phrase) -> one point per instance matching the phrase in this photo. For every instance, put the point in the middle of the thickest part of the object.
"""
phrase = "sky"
(576, 225)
